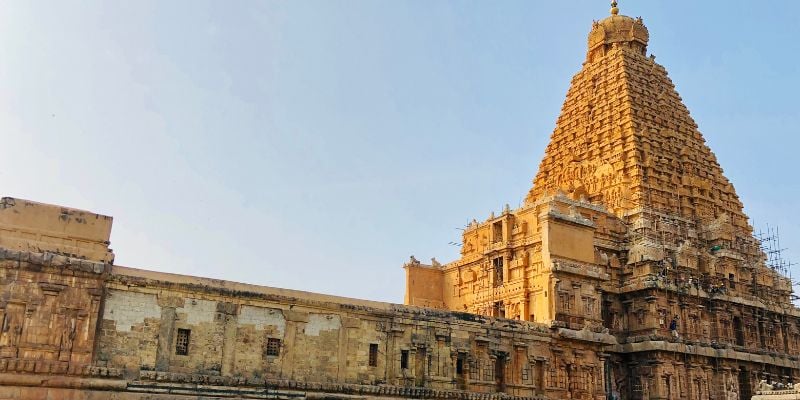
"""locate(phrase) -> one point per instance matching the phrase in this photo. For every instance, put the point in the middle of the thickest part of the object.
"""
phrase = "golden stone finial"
(614, 9)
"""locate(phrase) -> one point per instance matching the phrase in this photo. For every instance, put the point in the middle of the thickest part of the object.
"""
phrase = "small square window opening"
(273, 347)
(182, 342)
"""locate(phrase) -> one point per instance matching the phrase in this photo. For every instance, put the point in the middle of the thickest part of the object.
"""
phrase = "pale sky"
(315, 145)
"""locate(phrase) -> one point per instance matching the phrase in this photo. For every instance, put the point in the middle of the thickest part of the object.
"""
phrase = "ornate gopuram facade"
(632, 231)
(629, 273)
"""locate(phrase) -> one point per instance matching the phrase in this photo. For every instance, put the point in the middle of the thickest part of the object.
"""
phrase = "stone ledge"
(49, 259)
(579, 268)
(654, 283)
(177, 383)
(587, 336)
(703, 351)
(61, 381)
(57, 367)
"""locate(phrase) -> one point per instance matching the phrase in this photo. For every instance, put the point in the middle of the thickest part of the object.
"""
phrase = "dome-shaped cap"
(618, 28)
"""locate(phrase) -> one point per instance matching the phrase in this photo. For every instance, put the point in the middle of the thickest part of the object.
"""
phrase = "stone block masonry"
(250, 335)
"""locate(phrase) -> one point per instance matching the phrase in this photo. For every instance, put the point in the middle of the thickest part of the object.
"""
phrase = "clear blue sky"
(316, 145)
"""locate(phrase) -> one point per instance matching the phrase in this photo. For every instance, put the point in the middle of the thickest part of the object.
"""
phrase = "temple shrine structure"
(630, 229)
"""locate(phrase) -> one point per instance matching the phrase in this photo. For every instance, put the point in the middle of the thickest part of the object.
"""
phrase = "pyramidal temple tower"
(632, 239)
(624, 138)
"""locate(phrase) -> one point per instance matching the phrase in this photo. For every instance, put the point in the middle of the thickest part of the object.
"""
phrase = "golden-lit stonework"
(630, 225)
(627, 187)
(629, 273)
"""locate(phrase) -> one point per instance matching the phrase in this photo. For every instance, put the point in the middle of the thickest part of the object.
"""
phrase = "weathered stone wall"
(79, 329)
(326, 340)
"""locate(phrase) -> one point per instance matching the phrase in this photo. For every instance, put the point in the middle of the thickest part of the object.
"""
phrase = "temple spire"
(614, 9)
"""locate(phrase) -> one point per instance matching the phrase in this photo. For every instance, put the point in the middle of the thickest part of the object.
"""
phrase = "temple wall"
(321, 339)
(78, 328)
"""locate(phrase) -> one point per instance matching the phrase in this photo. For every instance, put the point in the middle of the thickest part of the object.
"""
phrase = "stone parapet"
(122, 277)
(36, 227)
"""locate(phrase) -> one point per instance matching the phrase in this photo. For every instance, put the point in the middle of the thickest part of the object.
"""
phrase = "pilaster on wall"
(294, 321)
(230, 315)
(165, 338)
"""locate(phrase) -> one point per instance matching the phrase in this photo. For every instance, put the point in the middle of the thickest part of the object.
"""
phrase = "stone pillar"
(4, 342)
(493, 365)
(784, 329)
(166, 332)
(709, 375)
(453, 361)
(541, 374)
(230, 322)
(683, 322)
(24, 339)
(604, 373)
(420, 358)
(651, 321)
(341, 370)
(294, 320)
(348, 324)
(552, 287)
(716, 326)
(392, 360)
(657, 386)
(93, 321)
(388, 371)
(723, 380)
(506, 266)
(525, 307)
(680, 379)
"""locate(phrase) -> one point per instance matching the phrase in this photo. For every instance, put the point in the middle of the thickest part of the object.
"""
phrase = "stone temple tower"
(630, 229)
